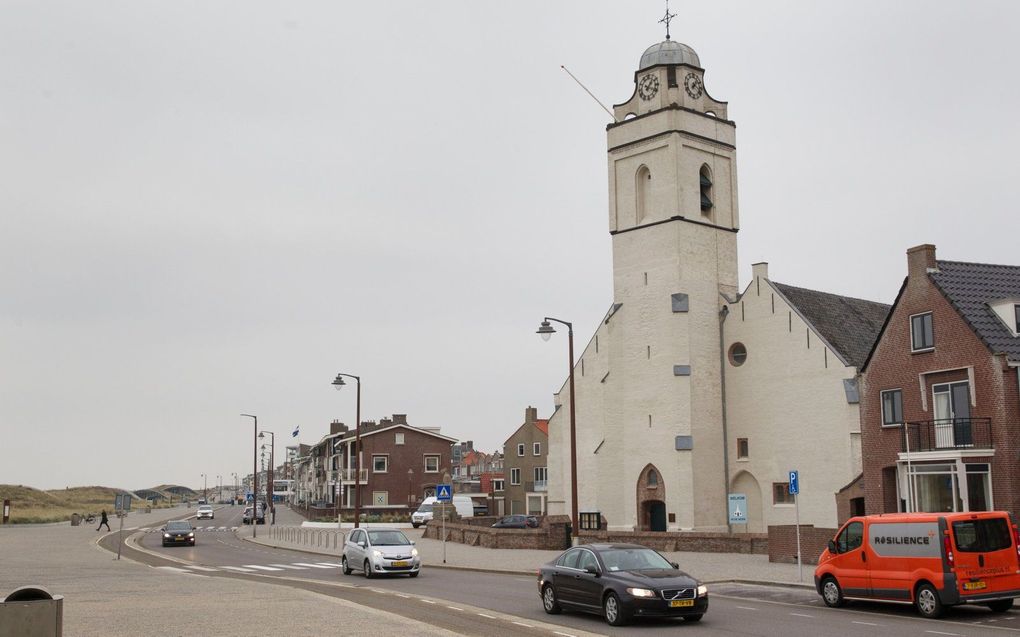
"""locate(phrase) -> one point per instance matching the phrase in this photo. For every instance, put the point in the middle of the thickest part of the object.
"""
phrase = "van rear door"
(986, 558)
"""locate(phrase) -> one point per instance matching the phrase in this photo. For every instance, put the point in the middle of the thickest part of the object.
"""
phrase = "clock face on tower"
(692, 84)
(648, 86)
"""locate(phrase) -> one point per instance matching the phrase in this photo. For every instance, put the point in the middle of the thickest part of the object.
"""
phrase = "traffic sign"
(738, 508)
(794, 483)
(444, 493)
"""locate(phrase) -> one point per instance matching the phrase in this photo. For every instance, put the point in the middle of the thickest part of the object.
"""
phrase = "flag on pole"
(294, 435)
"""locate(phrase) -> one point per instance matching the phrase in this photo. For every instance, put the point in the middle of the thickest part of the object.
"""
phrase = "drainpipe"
(723, 313)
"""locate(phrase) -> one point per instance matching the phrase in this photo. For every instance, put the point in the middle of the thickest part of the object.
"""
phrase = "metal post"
(800, 565)
(443, 506)
(545, 330)
(120, 541)
(255, 476)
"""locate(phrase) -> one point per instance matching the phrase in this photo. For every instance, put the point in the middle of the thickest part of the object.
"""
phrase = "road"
(478, 603)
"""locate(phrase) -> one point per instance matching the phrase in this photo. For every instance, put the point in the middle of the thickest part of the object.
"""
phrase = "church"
(693, 389)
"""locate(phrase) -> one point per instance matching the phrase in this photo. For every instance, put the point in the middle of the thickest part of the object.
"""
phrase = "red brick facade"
(402, 488)
(958, 355)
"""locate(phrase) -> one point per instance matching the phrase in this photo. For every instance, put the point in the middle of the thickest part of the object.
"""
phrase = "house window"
(653, 478)
(380, 464)
(431, 464)
(536, 449)
(515, 476)
(921, 335)
(520, 450)
(497, 485)
(399, 438)
(781, 493)
(541, 474)
(705, 181)
(741, 448)
(892, 407)
(738, 354)
(641, 188)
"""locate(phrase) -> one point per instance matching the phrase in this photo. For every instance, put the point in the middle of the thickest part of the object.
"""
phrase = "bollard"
(30, 611)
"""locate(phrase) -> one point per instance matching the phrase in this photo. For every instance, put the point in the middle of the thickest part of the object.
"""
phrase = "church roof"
(668, 52)
(849, 325)
(970, 287)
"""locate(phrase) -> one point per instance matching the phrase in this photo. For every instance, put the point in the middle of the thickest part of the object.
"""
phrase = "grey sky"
(212, 208)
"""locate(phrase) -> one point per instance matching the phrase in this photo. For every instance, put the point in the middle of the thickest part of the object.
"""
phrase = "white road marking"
(935, 632)
(238, 569)
(203, 568)
(489, 616)
(173, 569)
(291, 566)
(312, 565)
(746, 608)
(523, 624)
(404, 596)
(330, 564)
(864, 623)
(556, 632)
(801, 615)
(144, 528)
(454, 608)
(223, 528)
(262, 568)
(427, 601)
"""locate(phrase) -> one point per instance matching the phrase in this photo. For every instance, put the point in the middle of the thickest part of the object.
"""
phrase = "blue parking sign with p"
(794, 483)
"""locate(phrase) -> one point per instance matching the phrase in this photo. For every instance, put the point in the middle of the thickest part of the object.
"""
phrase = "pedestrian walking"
(104, 520)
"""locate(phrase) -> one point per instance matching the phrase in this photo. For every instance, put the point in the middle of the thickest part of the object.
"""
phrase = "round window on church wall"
(738, 354)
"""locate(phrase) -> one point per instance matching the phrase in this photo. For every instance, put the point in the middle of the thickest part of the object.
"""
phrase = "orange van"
(932, 560)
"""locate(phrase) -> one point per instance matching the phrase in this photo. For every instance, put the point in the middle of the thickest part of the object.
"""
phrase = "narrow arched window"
(642, 184)
(705, 181)
(653, 478)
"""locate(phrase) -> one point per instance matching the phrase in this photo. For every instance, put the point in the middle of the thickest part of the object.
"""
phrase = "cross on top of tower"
(666, 18)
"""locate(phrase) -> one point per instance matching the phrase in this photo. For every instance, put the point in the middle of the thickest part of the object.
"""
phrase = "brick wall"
(851, 492)
(551, 534)
(783, 543)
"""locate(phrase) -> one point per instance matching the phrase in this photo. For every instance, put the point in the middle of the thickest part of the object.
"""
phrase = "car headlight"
(702, 590)
(641, 592)
(166, 535)
(192, 534)
(414, 552)
(376, 553)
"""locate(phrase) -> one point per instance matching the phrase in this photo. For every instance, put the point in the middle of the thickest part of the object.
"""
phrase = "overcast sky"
(209, 208)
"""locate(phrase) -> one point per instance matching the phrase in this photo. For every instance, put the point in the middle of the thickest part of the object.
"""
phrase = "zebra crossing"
(218, 529)
(194, 569)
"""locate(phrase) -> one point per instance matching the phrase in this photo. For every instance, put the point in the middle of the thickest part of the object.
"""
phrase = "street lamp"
(219, 487)
(255, 472)
(339, 383)
(234, 501)
(270, 488)
(410, 496)
(545, 330)
(205, 489)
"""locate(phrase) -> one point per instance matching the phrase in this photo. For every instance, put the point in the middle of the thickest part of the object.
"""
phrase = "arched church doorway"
(651, 500)
(746, 483)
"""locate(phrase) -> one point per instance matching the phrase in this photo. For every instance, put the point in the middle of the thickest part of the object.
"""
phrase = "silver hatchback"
(380, 551)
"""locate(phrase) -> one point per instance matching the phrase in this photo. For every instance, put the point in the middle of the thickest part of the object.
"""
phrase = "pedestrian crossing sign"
(444, 493)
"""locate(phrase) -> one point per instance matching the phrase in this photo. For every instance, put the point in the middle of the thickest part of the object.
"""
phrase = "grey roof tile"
(849, 325)
(970, 287)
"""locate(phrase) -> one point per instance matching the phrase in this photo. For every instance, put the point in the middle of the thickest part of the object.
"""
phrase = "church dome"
(669, 52)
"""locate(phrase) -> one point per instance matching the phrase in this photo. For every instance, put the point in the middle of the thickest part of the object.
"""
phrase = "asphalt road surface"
(474, 603)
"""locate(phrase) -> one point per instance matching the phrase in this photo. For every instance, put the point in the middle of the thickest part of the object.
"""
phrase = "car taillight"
(949, 549)
(1016, 541)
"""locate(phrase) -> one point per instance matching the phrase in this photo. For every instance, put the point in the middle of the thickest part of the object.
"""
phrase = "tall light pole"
(234, 501)
(545, 331)
(338, 382)
(205, 489)
(254, 474)
(270, 487)
(219, 489)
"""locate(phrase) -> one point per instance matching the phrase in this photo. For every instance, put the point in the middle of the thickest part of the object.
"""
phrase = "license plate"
(399, 564)
(681, 603)
(973, 586)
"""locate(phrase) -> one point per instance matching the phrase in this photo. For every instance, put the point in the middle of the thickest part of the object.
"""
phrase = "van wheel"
(927, 601)
(1001, 606)
(832, 594)
(415, 525)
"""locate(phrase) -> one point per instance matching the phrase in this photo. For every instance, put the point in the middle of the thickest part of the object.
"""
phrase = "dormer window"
(922, 337)
(705, 181)
(1016, 318)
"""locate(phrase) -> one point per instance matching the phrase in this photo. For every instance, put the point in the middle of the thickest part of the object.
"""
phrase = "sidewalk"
(709, 567)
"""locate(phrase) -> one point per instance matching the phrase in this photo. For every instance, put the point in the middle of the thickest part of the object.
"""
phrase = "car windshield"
(633, 560)
(205, 507)
(387, 538)
(178, 526)
(425, 508)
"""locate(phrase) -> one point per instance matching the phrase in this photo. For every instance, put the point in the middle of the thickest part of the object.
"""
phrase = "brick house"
(400, 464)
(525, 466)
(940, 394)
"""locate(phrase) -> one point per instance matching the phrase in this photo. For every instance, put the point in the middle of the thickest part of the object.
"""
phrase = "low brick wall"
(753, 543)
(551, 534)
(783, 543)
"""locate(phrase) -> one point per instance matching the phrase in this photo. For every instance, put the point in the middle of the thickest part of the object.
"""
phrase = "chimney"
(920, 260)
(530, 415)
(760, 270)
(399, 419)
(337, 427)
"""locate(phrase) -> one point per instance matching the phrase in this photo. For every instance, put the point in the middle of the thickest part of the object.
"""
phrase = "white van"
(462, 503)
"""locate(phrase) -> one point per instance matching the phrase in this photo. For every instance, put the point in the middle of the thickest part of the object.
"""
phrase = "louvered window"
(705, 180)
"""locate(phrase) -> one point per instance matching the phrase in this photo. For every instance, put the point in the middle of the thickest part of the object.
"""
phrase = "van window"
(982, 536)
(425, 508)
(851, 537)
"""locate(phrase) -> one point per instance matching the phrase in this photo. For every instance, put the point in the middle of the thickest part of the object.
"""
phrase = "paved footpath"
(104, 596)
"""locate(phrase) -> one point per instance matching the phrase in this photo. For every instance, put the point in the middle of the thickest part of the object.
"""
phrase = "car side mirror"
(591, 570)
(675, 565)
(361, 543)
(832, 547)
(412, 542)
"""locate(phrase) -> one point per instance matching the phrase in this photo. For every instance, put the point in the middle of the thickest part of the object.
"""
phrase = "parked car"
(178, 532)
(205, 511)
(934, 560)
(257, 512)
(516, 521)
(379, 551)
(620, 582)
(462, 503)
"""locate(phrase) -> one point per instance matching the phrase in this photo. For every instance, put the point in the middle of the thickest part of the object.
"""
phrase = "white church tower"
(650, 433)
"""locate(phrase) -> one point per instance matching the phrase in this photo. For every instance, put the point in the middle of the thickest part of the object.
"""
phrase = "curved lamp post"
(205, 488)
(270, 486)
(339, 383)
(545, 330)
(254, 473)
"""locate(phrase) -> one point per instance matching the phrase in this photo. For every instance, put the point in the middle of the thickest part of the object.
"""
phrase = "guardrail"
(298, 536)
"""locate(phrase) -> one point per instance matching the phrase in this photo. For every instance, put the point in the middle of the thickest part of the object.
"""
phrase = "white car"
(205, 511)
(380, 551)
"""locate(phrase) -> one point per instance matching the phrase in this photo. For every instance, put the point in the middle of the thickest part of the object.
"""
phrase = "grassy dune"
(30, 505)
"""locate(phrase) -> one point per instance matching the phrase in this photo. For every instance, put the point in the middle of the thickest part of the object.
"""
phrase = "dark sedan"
(178, 532)
(516, 521)
(620, 582)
